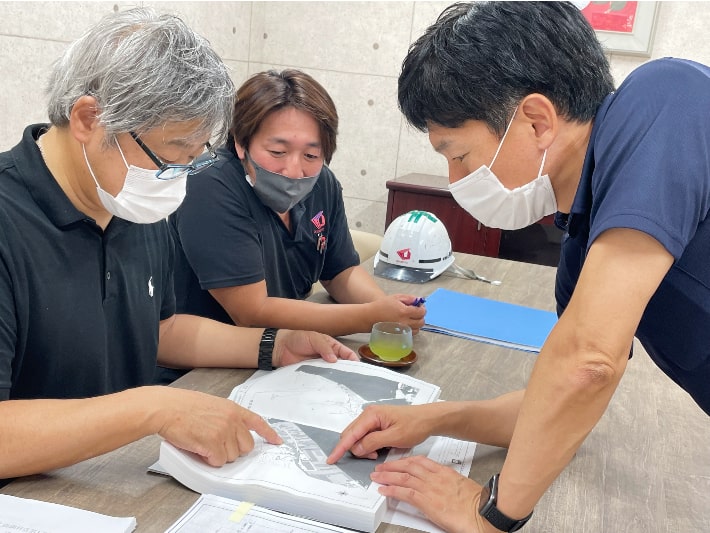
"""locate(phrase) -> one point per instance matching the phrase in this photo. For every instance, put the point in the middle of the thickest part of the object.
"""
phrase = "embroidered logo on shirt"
(319, 221)
(150, 286)
(321, 240)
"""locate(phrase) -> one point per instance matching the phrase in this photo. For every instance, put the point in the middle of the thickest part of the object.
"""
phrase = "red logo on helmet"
(405, 254)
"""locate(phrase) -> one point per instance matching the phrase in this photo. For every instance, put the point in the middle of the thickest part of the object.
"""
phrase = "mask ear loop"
(247, 158)
(505, 133)
(88, 165)
(121, 152)
(542, 164)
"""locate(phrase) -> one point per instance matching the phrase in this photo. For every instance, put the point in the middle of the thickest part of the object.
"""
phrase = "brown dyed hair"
(270, 91)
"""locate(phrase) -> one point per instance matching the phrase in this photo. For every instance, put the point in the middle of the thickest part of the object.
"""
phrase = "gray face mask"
(276, 191)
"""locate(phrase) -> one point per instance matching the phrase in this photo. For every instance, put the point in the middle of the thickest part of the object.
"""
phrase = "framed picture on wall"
(623, 27)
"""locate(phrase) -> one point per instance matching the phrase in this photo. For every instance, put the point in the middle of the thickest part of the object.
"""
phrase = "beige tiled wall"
(354, 49)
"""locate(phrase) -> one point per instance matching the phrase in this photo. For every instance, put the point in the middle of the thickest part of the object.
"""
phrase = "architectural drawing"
(328, 395)
(308, 404)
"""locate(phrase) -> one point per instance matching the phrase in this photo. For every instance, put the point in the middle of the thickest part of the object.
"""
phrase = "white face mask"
(483, 195)
(144, 199)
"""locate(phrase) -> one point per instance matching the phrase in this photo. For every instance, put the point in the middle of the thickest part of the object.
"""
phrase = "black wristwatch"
(266, 349)
(488, 509)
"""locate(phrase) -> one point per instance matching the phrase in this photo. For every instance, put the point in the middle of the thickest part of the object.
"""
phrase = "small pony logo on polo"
(405, 254)
(150, 286)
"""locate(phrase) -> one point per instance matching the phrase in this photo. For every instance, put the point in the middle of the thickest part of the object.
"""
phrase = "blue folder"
(481, 319)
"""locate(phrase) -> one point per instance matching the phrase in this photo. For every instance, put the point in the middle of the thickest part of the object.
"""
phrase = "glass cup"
(391, 341)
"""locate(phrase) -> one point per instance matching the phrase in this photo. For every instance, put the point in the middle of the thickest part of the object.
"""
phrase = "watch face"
(485, 497)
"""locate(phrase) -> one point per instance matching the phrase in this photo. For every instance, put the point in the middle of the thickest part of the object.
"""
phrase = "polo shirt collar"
(583, 197)
(44, 188)
(40, 182)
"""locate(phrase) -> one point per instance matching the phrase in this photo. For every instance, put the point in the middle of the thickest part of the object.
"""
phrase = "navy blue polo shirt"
(79, 307)
(227, 238)
(647, 168)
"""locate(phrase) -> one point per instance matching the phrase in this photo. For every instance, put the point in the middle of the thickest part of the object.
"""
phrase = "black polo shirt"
(79, 307)
(226, 237)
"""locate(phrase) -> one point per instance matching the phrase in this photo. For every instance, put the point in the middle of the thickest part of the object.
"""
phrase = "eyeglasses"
(168, 171)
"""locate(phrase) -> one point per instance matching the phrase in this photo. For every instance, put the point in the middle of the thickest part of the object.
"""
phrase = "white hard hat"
(416, 248)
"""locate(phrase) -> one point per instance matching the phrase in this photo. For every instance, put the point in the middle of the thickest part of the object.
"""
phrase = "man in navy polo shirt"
(519, 98)
(87, 306)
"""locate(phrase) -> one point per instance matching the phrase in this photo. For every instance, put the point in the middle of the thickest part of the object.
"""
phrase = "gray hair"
(145, 70)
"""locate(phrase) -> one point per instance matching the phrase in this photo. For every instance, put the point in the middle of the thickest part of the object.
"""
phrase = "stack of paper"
(21, 514)
(226, 515)
(309, 404)
(214, 513)
(481, 319)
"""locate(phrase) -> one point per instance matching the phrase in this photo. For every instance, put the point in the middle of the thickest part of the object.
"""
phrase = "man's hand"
(446, 497)
(381, 426)
(216, 429)
(398, 308)
(294, 346)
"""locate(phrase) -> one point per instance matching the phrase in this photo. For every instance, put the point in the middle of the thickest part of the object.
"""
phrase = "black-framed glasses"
(168, 171)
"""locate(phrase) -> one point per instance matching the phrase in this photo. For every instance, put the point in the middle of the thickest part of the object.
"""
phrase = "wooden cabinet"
(431, 193)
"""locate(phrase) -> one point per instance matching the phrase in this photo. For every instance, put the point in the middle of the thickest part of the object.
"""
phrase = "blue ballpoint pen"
(419, 301)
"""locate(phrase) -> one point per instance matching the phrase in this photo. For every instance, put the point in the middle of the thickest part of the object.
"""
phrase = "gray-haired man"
(86, 285)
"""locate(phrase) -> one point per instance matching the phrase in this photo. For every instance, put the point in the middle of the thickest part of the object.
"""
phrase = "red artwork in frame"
(622, 27)
(611, 16)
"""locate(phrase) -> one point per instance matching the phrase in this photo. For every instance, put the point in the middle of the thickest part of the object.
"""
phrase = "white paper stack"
(214, 513)
(21, 514)
(308, 404)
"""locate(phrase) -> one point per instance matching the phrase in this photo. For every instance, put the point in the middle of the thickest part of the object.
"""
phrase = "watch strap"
(266, 349)
(500, 521)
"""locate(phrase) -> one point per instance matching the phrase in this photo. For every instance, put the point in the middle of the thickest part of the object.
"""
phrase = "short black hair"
(478, 60)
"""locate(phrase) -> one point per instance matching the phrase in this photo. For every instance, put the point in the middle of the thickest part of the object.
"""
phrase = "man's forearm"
(332, 319)
(561, 406)
(41, 435)
(486, 421)
(188, 341)
(352, 286)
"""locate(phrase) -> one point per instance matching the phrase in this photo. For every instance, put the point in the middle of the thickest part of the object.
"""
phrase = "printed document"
(308, 404)
(22, 514)
(215, 513)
